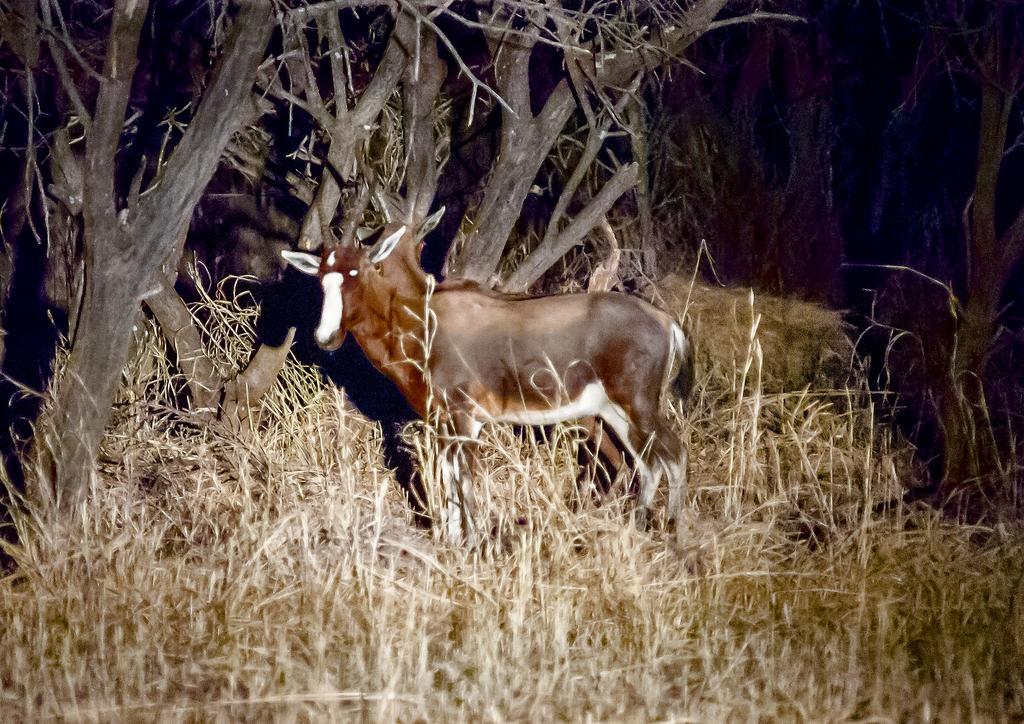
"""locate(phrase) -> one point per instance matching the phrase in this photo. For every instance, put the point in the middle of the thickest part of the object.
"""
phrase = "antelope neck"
(384, 314)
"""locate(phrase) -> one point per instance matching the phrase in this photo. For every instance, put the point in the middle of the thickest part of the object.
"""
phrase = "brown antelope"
(524, 360)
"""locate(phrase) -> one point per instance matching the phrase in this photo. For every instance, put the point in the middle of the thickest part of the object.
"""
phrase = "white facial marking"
(331, 259)
(330, 317)
(353, 273)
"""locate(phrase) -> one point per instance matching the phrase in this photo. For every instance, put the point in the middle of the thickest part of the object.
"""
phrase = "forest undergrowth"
(277, 574)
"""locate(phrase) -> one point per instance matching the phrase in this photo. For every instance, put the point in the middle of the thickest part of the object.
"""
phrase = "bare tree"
(604, 55)
(129, 236)
(527, 137)
(996, 52)
(346, 125)
(132, 232)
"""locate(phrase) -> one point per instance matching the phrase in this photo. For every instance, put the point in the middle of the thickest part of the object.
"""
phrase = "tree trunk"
(970, 448)
(522, 153)
(971, 453)
(649, 246)
(126, 247)
(85, 392)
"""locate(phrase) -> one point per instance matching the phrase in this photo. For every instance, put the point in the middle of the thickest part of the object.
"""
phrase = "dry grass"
(806, 344)
(278, 576)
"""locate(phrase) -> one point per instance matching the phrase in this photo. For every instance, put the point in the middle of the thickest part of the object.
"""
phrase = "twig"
(62, 68)
(755, 17)
(470, 75)
(954, 302)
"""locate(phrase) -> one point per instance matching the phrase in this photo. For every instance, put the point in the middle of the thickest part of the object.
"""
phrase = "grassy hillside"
(277, 574)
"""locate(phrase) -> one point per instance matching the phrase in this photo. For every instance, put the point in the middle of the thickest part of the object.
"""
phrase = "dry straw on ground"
(278, 576)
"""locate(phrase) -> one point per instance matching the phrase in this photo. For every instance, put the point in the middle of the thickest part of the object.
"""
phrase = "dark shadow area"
(295, 301)
(32, 332)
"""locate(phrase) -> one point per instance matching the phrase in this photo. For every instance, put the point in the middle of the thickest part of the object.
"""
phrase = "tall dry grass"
(278, 575)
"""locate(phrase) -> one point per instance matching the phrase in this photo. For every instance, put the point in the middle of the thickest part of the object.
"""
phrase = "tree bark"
(86, 389)
(125, 249)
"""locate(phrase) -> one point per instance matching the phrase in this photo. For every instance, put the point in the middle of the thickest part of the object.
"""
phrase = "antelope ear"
(305, 263)
(384, 247)
(429, 223)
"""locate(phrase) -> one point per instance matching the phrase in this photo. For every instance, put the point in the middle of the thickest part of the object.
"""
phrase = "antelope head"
(343, 267)
(337, 266)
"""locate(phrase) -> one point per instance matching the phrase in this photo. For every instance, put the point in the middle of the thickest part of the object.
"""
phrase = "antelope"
(488, 357)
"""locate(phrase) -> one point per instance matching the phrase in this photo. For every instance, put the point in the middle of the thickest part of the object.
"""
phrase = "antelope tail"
(681, 370)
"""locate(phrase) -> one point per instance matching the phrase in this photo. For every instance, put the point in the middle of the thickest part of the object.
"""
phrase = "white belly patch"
(592, 401)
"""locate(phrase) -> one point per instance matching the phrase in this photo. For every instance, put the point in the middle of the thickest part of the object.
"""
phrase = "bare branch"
(57, 53)
(466, 70)
(111, 103)
(194, 160)
(332, 6)
(314, 109)
(617, 66)
(178, 328)
(348, 129)
(756, 17)
(507, 31)
(243, 394)
(330, 25)
(541, 258)
(595, 140)
(307, 78)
